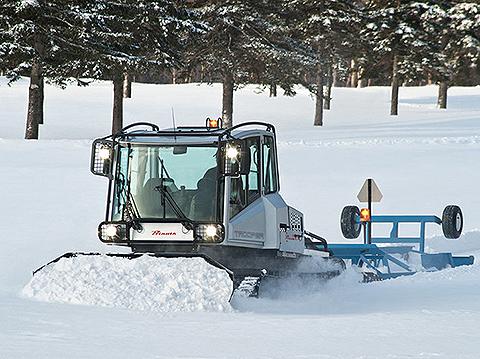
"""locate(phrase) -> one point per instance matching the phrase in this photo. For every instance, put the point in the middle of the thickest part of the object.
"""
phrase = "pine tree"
(291, 57)
(330, 28)
(243, 42)
(99, 39)
(32, 35)
(401, 32)
(126, 36)
(457, 29)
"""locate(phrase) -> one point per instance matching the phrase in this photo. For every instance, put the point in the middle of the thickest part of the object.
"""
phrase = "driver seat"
(203, 206)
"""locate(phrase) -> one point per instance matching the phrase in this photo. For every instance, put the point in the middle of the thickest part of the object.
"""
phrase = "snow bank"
(468, 242)
(145, 283)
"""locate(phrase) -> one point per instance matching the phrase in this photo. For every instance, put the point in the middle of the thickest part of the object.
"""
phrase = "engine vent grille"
(295, 219)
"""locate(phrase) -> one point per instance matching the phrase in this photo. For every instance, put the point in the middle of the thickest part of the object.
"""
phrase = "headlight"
(112, 231)
(212, 233)
(232, 160)
(104, 153)
(232, 153)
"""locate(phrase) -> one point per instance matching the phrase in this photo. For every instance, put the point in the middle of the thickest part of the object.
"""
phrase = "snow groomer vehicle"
(208, 192)
(213, 193)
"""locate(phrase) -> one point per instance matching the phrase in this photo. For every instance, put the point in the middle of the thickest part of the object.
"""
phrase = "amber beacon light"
(364, 215)
(214, 123)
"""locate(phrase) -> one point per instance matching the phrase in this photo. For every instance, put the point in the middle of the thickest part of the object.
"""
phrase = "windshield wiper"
(187, 223)
(176, 208)
(133, 212)
(133, 215)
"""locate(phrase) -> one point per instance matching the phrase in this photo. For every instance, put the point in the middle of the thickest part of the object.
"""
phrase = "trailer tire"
(348, 222)
(452, 222)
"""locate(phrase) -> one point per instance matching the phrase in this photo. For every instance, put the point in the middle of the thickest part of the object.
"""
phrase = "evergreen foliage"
(271, 43)
(329, 28)
(32, 30)
(462, 39)
(404, 30)
(246, 42)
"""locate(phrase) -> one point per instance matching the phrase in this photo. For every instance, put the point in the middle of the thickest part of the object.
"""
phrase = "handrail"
(152, 125)
(189, 131)
(269, 126)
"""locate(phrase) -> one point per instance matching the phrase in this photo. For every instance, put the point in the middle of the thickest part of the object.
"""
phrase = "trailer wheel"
(348, 222)
(452, 222)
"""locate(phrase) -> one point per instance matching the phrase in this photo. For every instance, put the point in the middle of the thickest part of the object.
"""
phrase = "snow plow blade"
(137, 255)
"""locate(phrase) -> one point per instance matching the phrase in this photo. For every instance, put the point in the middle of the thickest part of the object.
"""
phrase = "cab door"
(247, 214)
(255, 221)
(284, 223)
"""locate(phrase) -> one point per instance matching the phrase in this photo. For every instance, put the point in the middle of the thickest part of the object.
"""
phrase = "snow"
(145, 283)
(422, 160)
(342, 295)
(27, 3)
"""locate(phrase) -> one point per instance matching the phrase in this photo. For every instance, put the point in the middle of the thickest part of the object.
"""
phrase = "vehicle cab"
(179, 188)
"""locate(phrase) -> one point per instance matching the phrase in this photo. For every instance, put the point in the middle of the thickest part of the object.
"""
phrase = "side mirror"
(102, 158)
(234, 159)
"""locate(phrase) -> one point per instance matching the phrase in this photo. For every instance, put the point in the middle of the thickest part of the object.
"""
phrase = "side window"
(270, 181)
(253, 178)
(246, 188)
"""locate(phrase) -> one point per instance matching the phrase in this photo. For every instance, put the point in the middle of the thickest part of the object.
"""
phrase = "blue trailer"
(391, 256)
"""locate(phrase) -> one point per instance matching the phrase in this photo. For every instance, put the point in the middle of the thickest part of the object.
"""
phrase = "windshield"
(171, 183)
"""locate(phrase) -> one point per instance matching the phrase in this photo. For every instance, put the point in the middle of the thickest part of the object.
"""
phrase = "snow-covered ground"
(422, 160)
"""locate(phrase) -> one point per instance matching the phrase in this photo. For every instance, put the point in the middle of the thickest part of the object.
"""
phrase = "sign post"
(369, 193)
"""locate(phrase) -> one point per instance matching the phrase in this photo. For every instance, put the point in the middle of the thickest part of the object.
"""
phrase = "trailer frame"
(391, 258)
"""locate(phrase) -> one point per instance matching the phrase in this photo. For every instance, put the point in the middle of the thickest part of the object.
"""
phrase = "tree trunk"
(353, 74)
(319, 99)
(35, 92)
(34, 102)
(328, 97)
(328, 92)
(335, 77)
(227, 100)
(442, 95)
(42, 100)
(362, 82)
(117, 118)
(336, 81)
(273, 90)
(429, 79)
(127, 85)
(395, 87)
